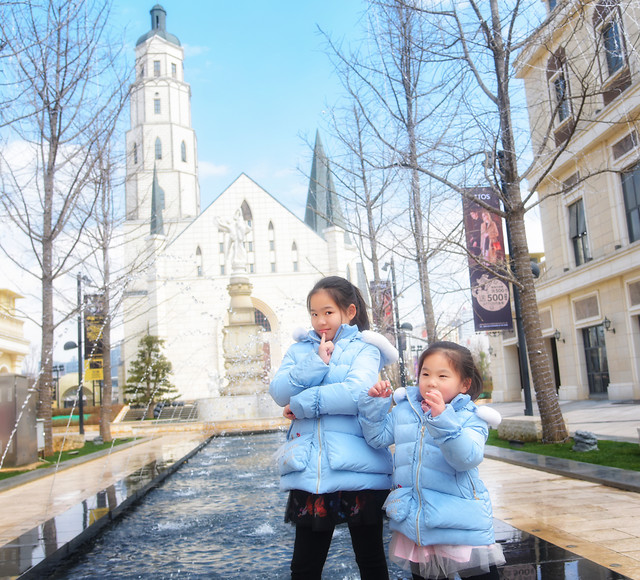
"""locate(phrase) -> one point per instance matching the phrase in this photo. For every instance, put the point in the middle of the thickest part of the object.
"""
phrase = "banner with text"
(94, 318)
(490, 296)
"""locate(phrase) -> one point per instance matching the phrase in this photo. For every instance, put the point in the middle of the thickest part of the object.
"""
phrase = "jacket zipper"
(319, 456)
(473, 487)
(422, 429)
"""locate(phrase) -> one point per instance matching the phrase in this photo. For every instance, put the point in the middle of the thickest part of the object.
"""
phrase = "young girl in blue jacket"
(439, 509)
(332, 475)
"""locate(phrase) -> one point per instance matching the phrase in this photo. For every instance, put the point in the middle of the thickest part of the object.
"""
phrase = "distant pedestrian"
(439, 509)
(332, 475)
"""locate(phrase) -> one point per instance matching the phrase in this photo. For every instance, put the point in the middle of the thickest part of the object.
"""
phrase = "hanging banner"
(94, 318)
(382, 292)
(490, 296)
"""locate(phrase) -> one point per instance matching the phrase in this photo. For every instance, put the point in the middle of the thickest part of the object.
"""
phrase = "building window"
(156, 106)
(261, 320)
(135, 153)
(552, 4)
(294, 256)
(158, 148)
(561, 95)
(272, 245)
(613, 47)
(578, 232)
(199, 260)
(252, 268)
(142, 71)
(221, 269)
(174, 70)
(273, 267)
(156, 68)
(631, 194)
(221, 247)
(183, 152)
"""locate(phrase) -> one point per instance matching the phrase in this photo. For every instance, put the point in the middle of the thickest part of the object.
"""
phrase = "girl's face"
(326, 316)
(437, 374)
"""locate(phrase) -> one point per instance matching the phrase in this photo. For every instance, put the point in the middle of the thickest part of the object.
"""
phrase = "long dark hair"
(461, 361)
(344, 294)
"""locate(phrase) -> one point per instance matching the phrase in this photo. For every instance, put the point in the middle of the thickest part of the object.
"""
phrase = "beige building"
(13, 346)
(582, 79)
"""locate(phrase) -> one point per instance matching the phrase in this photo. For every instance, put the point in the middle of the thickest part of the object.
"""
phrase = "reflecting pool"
(220, 516)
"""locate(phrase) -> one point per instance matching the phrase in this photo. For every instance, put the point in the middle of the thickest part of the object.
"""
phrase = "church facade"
(178, 256)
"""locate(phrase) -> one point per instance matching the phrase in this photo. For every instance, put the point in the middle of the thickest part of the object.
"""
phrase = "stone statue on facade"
(238, 229)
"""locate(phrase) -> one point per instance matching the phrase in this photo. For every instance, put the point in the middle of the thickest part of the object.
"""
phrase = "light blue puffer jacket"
(325, 450)
(437, 496)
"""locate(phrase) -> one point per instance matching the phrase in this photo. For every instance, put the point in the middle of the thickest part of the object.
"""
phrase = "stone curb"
(625, 479)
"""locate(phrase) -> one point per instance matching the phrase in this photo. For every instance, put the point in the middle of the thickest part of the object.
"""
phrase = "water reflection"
(221, 516)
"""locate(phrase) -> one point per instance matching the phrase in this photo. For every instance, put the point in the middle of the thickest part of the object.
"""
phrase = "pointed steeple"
(323, 207)
(157, 205)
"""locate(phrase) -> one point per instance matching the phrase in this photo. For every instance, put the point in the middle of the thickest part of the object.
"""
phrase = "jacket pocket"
(347, 452)
(294, 454)
(448, 511)
(397, 503)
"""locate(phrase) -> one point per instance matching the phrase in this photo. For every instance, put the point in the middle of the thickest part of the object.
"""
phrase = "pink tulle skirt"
(443, 560)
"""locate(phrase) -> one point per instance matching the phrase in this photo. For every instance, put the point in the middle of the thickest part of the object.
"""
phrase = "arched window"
(183, 151)
(272, 246)
(158, 148)
(199, 260)
(294, 256)
(246, 212)
(261, 320)
(135, 153)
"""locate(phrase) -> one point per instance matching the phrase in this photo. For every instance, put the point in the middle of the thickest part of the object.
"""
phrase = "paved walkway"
(29, 505)
(597, 522)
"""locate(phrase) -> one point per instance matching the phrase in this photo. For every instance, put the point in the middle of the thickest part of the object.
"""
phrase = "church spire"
(159, 26)
(323, 207)
(157, 205)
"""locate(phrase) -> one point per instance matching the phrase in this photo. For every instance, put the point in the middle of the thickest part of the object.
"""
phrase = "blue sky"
(260, 80)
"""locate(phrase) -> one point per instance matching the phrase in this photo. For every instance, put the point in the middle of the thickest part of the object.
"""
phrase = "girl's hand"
(287, 413)
(325, 349)
(435, 402)
(381, 389)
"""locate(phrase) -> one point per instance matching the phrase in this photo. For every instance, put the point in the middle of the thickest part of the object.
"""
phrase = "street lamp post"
(71, 345)
(398, 331)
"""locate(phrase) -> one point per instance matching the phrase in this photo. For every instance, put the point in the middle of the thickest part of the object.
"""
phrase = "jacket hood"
(388, 352)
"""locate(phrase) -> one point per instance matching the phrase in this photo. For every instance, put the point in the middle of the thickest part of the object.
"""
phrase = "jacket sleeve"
(293, 376)
(462, 445)
(339, 398)
(376, 420)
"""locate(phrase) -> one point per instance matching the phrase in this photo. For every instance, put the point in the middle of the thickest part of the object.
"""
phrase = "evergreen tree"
(149, 375)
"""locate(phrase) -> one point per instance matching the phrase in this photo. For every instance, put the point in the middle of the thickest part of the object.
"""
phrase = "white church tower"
(162, 191)
(161, 137)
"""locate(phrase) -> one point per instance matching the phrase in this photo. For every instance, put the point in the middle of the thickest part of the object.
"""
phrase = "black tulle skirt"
(326, 510)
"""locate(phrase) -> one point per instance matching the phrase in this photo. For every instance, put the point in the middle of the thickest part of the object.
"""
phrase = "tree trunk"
(553, 426)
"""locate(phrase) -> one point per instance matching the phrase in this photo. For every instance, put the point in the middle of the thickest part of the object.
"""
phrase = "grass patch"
(51, 460)
(610, 453)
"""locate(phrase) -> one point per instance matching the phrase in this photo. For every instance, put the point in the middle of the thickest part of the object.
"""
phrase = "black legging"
(311, 548)
(492, 574)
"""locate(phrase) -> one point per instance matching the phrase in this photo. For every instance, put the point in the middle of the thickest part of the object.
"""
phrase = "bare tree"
(387, 84)
(67, 92)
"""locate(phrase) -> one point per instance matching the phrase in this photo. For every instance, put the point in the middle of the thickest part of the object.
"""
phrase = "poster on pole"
(94, 319)
(490, 296)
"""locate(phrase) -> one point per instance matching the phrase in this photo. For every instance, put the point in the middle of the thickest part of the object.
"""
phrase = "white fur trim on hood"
(488, 414)
(388, 352)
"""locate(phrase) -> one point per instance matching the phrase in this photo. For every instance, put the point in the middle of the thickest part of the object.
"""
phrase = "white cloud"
(207, 169)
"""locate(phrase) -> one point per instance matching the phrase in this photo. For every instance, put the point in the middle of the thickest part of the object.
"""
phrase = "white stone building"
(178, 254)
